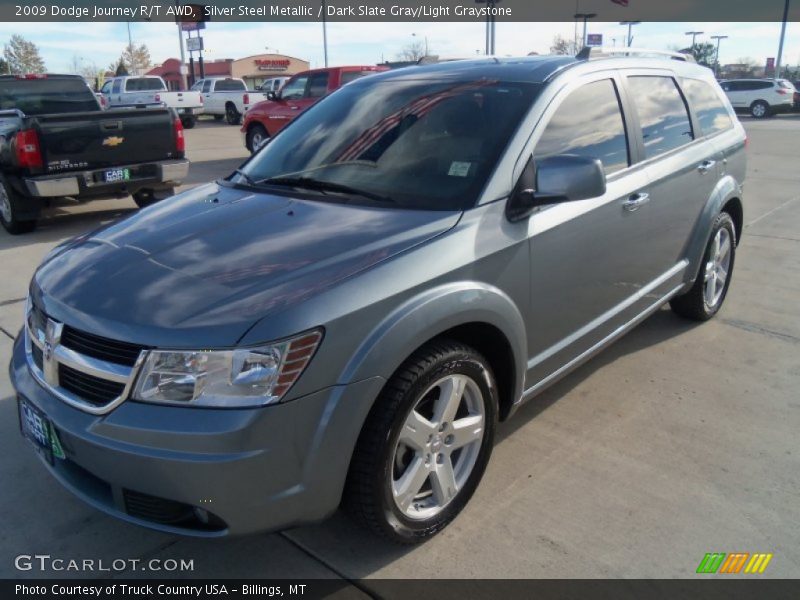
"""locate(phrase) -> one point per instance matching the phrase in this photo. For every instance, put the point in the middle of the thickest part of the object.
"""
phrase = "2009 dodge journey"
(346, 318)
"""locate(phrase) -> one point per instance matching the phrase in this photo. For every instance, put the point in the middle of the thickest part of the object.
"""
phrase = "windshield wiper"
(323, 186)
(246, 177)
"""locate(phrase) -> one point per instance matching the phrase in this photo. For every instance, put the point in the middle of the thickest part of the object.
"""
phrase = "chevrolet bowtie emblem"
(113, 141)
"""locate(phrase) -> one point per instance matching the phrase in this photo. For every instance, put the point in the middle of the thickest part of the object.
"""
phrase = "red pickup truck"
(267, 118)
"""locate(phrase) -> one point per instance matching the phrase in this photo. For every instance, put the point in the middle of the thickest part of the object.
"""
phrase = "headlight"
(225, 378)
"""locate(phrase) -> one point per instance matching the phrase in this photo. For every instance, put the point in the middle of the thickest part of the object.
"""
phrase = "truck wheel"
(232, 115)
(760, 109)
(147, 197)
(256, 136)
(706, 296)
(188, 122)
(10, 211)
(425, 444)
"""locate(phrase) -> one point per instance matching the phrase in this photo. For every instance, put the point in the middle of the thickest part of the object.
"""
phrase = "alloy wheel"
(717, 268)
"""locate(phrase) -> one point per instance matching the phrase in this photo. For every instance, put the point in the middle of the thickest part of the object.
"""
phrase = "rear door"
(736, 93)
(681, 164)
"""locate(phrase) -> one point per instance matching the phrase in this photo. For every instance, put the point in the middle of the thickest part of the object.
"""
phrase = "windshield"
(44, 96)
(414, 143)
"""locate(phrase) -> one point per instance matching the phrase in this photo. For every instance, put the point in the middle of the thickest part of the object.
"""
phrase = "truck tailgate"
(95, 140)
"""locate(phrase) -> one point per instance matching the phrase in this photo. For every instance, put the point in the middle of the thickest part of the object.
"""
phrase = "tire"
(232, 116)
(384, 458)
(760, 109)
(701, 303)
(147, 197)
(188, 122)
(254, 134)
(12, 218)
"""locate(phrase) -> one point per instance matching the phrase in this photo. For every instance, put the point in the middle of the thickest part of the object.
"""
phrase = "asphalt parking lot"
(679, 440)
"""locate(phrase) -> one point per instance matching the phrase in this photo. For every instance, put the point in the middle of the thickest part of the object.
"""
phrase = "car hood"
(216, 260)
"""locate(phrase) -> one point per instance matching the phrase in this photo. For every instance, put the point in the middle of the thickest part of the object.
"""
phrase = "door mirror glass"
(555, 179)
(272, 96)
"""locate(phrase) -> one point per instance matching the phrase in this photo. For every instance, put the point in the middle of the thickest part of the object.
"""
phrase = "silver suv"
(350, 314)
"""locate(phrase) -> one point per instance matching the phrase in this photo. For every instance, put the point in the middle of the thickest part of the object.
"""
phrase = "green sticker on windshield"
(459, 169)
(55, 444)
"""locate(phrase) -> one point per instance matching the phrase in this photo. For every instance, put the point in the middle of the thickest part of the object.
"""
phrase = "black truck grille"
(92, 389)
(95, 346)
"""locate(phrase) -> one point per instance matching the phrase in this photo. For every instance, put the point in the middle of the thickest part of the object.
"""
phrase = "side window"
(764, 85)
(711, 111)
(317, 85)
(207, 86)
(106, 88)
(117, 85)
(295, 88)
(588, 123)
(662, 113)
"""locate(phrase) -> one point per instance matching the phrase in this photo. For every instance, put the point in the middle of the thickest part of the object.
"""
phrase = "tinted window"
(588, 123)
(425, 144)
(762, 85)
(106, 87)
(349, 76)
(206, 86)
(116, 87)
(198, 85)
(144, 84)
(662, 114)
(710, 110)
(295, 88)
(318, 85)
(229, 85)
(44, 96)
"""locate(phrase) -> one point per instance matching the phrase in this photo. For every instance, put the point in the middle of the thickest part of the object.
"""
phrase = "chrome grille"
(87, 371)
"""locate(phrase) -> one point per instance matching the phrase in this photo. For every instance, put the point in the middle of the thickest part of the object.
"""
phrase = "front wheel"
(256, 137)
(759, 109)
(11, 216)
(425, 444)
(706, 296)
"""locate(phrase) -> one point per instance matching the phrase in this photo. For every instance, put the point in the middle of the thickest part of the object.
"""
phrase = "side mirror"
(272, 96)
(556, 179)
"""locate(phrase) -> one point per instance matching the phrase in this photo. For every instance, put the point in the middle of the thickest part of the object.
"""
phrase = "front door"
(589, 275)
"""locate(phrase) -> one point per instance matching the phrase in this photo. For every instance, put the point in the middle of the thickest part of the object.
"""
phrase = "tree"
(136, 59)
(86, 69)
(120, 70)
(23, 56)
(705, 54)
(413, 51)
(562, 46)
(4, 70)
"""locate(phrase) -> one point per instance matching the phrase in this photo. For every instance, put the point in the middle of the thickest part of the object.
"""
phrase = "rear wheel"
(188, 122)
(759, 109)
(12, 218)
(232, 115)
(256, 136)
(147, 197)
(425, 445)
(706, 296)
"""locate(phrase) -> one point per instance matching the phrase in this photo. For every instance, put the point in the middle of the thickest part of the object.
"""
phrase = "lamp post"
(325, 30)
(585, 17)
(716, 54)
(630, 25)
(426, 42)
(490, 24)
(694, 35)
(783, 36)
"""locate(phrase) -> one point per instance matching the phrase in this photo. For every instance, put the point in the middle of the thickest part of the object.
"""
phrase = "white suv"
(760, 97)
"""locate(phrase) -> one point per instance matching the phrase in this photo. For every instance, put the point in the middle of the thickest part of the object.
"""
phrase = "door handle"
(705, 166)
(635, 201)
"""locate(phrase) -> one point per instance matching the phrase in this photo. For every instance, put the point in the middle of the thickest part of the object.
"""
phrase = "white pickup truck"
(151, 91)
(226, 97)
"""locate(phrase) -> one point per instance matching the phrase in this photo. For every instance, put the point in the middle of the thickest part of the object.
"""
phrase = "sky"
(100, 43)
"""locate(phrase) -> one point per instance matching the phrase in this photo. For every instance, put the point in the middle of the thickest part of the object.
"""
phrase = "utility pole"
(783, 36)
(694, 35)
(490, 24)
(630, 25)
(585, 17)
(325, 30)
(716, 56)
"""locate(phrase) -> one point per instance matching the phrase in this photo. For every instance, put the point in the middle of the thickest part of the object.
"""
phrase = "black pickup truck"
(56, 142)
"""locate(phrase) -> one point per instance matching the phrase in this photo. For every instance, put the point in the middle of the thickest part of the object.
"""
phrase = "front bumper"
(252, 469)
(164, 173)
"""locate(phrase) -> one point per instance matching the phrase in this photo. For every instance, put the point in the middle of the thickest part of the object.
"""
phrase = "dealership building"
(253, 69)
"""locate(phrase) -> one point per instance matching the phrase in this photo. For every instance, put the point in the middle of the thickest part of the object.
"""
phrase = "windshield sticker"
(459, 169)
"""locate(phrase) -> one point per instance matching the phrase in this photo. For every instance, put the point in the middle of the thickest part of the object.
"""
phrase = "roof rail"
(594, 52)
